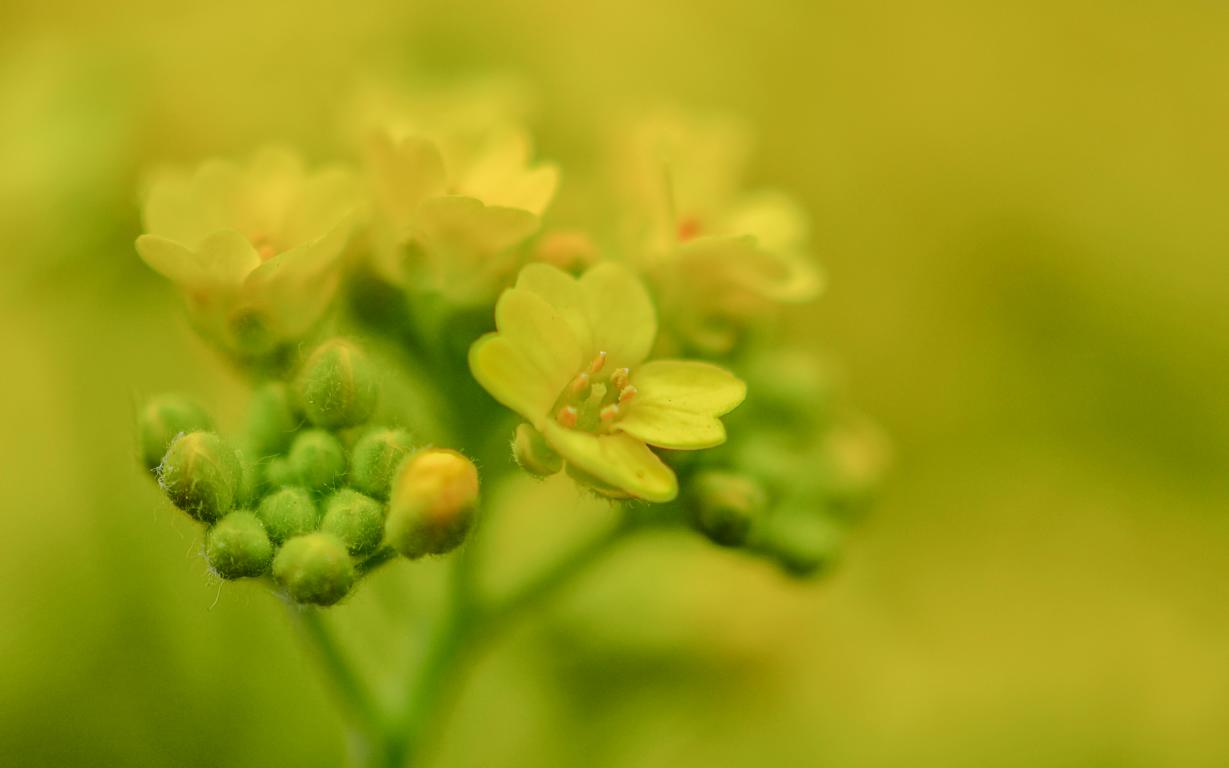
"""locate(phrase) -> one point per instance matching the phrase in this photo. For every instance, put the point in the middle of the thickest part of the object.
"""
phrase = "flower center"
(264, 245)
(593, 401)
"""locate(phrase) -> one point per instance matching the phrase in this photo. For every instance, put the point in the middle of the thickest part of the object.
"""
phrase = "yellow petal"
(678, 401)
(510, 377)
(561, 291)
(222, 258)
(622, 319)
(541, 335)
(404, 172)
(619, 460)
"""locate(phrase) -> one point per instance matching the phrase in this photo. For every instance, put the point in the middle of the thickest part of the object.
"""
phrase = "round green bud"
(287, 513)
(337, 386)
(272, 420)
(533, 454)
(317, 460)
(278, 473)
(237, 546)
(376, 456)
(724, 506)
(200, 474)
(315, 569)
(356, 519)
(432, 503)
(802, 541)
(162, 420)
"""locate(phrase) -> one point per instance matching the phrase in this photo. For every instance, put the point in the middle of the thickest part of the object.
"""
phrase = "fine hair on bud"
(288, 512)
(314, 569)
(317, 460)
(432, 504)
(357, 520)
(376, 456)
(272, 420)
(532, 454)
(162, 420)
(237, 546)
(724, 506)
(337, 386)
(201, 475)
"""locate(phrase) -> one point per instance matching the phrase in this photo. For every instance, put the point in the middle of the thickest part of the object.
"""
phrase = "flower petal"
(222, 258)
(324, 201)
(541, 336)
(561, 291)
(617, 459)
(678, 401)
(186, 208)
(405, 172)
(510, 377)
(621, 316)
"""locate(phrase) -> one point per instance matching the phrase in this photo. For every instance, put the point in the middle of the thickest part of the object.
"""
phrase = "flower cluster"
(619, 355)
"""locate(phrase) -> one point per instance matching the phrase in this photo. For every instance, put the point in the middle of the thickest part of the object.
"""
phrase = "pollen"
(567, 416)
(620, 378)
(598, 362)
(580, 384)
(627, 393)
(609, 413)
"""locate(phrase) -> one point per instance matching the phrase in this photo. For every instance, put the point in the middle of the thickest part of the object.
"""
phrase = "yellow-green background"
(1022, 208)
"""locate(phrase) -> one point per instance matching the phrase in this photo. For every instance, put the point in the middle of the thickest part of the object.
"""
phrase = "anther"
(580, 383)
(597, 363)
(609, 413)
(567, 416)
(620, 378)
(627, 393)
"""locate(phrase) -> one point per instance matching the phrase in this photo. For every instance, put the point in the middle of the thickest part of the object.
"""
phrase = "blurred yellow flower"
(569, 356)
(718, 257)
(254, 248)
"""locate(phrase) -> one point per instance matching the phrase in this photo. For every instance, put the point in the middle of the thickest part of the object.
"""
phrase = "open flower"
(715, 255)
(450, 214)
(569, 356)
(254, 248)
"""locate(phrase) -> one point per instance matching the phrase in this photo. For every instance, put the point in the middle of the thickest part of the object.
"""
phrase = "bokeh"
(1021, 210)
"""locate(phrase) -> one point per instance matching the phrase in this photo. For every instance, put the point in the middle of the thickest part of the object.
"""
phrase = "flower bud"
(337, 386)
(237, 546)
(432, 504)
(287, 513)
(376, 457)
(249, 479)
(271, 420)
(315, 568)
(162, 420)
(317, 460)
(802, 541)
(533, 454)
(724, 506)
(355, 519)
(200, 474)
(278, 473)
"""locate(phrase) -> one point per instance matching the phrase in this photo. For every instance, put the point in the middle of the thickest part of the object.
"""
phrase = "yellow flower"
(569, 355)
(716, 256)
(254, 248)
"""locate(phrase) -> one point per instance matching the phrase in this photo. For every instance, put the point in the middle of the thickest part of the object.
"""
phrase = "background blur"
(1023, 214)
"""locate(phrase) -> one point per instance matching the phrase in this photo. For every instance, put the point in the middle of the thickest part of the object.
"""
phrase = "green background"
(1022, 210)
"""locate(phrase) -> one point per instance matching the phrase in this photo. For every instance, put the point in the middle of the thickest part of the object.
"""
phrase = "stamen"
(627, 393)
(619, 378)
(609, 413)
(597, 363)
(580, 383)
(567, 416)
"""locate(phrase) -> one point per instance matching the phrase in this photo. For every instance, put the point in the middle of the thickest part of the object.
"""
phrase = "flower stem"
(355, 698)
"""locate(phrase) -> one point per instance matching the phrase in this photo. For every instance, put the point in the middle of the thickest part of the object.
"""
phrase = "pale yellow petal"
(621, 314)
(677, 403)
(510, 377)
(619, 460)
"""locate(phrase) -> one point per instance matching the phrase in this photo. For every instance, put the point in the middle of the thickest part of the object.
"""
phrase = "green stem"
(355, 697)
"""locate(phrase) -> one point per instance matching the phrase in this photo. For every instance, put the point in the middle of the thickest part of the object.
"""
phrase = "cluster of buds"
(311, 493)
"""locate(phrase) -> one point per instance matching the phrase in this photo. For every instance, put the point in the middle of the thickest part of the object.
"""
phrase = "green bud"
(315, 568)
(201, 475)
(356, 519)
(287, 513)
(724, 506)
(533, 454)
(337, 386)
(317, 460)
(162, 420)
(237, 546)
(432, 504)
(802, 541)
(271, 420)
(249, 479)
(376, 457)
(279, 473)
